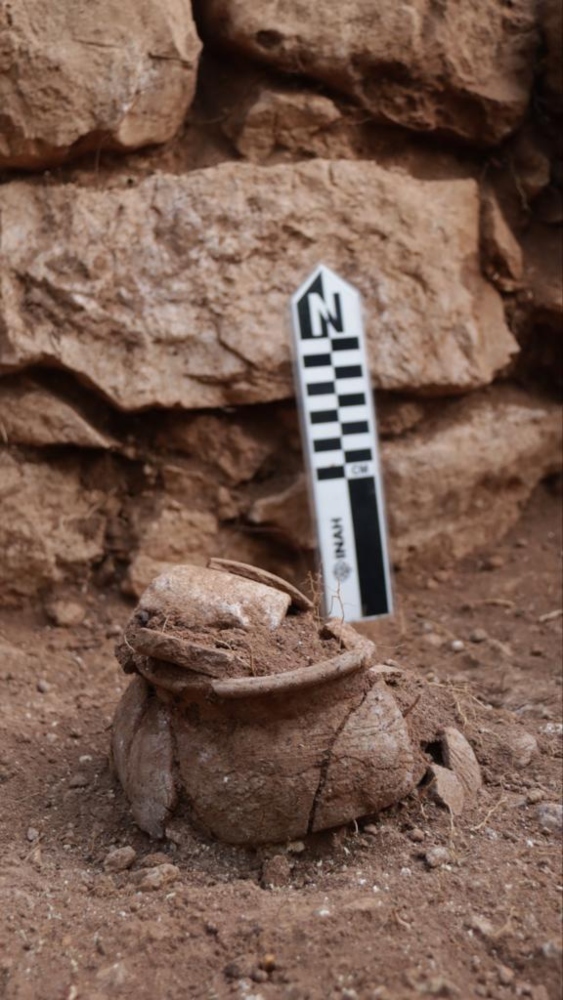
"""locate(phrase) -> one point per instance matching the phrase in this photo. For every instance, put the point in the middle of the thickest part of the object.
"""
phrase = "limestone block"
(456, 483)
(460, 66)
(51, 528)
(80, 76)
(275, 118)
(462, 482)
(175, 292)
(31, 415)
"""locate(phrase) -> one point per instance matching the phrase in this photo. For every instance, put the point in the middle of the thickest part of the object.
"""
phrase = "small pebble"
(32, 834)
(437, 856)
(433, 639)
(492, 562)
(155, 859)
(119, 859)
(552, 950)
(438, 986)
(268, 962)
(153, 879)
(78, 780)
(259, 976)
(505, 975)
(371, 830)
(481, 924)
(478, 635)
(417, 835)
(457, 646)
(550, 816)
(535, 795)
(296, 847)
(552, 729)
(43, 686)
(66, 614)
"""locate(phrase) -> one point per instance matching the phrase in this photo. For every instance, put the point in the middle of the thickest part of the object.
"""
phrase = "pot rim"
(345, 663)
(290, 681)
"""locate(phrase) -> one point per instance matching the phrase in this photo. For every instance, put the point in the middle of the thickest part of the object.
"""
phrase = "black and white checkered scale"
(337, 408)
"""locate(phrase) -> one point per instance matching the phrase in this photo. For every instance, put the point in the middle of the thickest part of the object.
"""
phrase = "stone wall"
(169, 176)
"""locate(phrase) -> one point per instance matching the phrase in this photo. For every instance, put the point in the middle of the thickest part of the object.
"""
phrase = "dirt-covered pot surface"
(414, 902)
(266, 722)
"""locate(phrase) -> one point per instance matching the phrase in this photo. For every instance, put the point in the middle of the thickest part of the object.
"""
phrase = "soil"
(406, 904)
(297, 643)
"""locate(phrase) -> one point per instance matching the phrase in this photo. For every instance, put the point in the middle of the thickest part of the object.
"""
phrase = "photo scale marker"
(344, 477)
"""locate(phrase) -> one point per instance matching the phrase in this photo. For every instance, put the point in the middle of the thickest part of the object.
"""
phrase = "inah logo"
(341, 570)
(338, 538)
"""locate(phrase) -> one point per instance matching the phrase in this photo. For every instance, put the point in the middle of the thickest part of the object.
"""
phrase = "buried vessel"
(256, 719)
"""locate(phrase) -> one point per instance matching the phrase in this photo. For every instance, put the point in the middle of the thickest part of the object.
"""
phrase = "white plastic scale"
(339, 430)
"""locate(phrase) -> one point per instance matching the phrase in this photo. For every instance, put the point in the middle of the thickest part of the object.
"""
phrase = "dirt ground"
(359, 912)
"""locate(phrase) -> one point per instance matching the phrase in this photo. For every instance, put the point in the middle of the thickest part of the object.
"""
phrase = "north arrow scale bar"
(339, 431)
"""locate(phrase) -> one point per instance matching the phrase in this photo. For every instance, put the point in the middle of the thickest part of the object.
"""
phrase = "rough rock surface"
(463, 482)
(239, 447)
(460, 758)
(51, 528)
(88, 76)
(175, 292)
(543, 262)
(215, 599)
(458, 66)
(288, 513)
(290, 120)
(176, 532)
(501, 252)
(447, 788)
(456, 483)
(31, 415)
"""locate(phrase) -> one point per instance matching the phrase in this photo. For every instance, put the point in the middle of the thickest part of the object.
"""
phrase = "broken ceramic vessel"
(262, 722)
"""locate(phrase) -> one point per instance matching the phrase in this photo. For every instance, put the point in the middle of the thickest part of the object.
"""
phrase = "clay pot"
(258, 752)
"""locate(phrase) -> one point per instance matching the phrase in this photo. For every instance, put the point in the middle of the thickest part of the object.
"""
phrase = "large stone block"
(78, 76)
(31, 415)
(175, 292)
(462, 482)
(461, 66)
(51, 527)
(456, 483)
